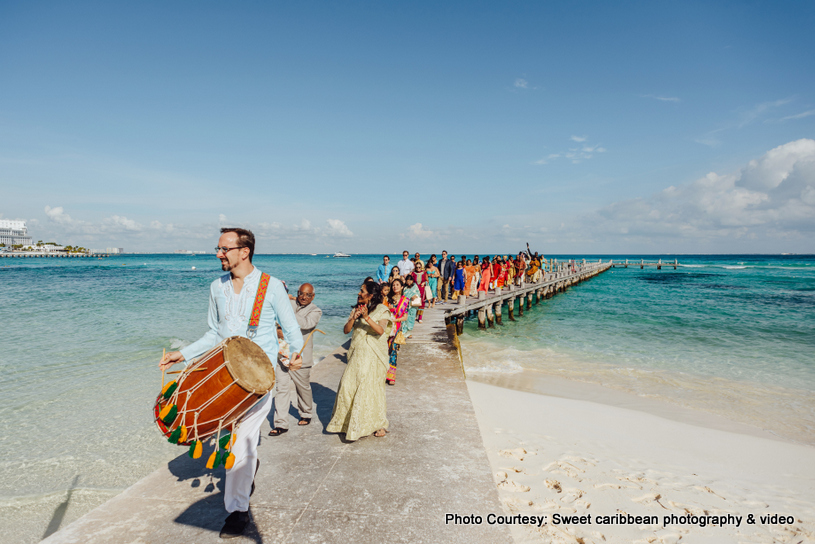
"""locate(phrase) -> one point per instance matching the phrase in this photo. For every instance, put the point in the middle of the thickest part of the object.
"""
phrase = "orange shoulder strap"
(254, 319)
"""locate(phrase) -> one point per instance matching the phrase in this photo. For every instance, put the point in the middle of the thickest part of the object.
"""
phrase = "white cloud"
(338, 228)
(662, 98)
(712, 138)
(58, 215)
(799, 115)
(417, 231)
(521, 83)
(761, 109)
(575, 154)
(117, 222)
(773, 196)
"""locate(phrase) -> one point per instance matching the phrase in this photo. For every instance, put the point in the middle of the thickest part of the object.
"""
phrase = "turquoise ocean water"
(732, 335)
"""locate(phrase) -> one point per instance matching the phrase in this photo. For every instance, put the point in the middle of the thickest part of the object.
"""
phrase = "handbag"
(428, 293)
(416, 302)
(400, 338)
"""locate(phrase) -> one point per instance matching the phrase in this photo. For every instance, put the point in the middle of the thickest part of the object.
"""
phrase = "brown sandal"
(383, 431)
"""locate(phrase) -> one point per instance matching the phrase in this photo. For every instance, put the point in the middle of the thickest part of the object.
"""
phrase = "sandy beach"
(577, 449)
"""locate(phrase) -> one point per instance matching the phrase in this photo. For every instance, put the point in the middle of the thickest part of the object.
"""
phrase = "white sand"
(554, 455)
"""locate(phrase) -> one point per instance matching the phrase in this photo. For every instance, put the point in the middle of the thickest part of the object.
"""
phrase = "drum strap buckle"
(251, 332)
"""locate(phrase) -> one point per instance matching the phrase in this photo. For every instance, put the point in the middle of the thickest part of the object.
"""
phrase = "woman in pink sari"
(420, 279)
(399, 305)
(486, 275)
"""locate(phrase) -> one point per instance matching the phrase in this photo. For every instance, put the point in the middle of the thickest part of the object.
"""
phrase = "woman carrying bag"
(399, 305)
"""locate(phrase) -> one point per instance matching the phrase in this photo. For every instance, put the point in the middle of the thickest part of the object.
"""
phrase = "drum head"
(249, 365)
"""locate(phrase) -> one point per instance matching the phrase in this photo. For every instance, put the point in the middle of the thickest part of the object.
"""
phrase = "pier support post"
(529, 301)
(520, 306)
(511, 308)
(460, 325)
(498, 310)
(482, 316)
(490, 317)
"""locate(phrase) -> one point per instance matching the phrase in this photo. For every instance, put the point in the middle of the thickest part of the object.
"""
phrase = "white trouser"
(239, 478)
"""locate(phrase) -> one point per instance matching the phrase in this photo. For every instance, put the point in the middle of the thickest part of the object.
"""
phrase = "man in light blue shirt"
(231, 298)
(384, 270)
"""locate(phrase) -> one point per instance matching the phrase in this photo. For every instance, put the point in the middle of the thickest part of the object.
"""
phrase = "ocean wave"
(728, 267)
(177, 343)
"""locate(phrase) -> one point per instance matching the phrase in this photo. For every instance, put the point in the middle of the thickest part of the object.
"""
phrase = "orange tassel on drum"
(230, 461)
(212, 459)
(168, 413)
(195, 449)
(169, 389)
(183, 437)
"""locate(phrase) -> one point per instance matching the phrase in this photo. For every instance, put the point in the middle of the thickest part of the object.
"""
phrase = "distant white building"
(14, 233)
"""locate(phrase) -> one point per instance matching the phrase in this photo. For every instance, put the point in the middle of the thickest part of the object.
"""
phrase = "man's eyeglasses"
(302, 294)
(226, 249)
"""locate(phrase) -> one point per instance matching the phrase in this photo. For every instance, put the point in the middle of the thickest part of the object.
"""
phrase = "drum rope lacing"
(174, 398)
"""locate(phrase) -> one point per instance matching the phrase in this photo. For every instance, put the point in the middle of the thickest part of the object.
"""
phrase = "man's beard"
(226, 266)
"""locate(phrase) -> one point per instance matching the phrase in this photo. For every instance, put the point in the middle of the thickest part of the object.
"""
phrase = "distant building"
(14, 233)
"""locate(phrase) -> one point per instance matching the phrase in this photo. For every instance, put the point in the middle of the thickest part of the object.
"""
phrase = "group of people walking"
(388, 307)
(440, 280)
(383, 317)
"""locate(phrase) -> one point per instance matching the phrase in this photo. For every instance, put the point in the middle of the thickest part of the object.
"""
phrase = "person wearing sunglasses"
(291, 383)
(231, 300)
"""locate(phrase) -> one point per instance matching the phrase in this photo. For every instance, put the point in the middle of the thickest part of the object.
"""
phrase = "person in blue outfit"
(384, 270)
(231, 299)
(458, 283)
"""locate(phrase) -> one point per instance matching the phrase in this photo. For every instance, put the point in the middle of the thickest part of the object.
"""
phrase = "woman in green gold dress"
(359, 409)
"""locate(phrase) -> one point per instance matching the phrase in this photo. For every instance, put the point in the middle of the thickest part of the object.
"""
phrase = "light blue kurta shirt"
(229, 314)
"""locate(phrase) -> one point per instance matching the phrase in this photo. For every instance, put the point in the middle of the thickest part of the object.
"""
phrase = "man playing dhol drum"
(231, 300)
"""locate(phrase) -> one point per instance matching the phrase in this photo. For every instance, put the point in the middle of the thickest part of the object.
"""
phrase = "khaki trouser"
(445, 288)
(291, 386)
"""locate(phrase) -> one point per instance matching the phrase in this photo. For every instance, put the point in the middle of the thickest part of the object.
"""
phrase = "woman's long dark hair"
(392, 300)
(373, 289)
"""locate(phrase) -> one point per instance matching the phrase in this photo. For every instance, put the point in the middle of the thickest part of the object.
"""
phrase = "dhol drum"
(212, 394)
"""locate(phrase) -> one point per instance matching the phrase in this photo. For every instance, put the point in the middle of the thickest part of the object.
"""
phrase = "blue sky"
(368, 127)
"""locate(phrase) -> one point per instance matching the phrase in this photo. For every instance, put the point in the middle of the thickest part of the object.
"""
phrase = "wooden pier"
(642, 263)
(489, 305)
(49, 255)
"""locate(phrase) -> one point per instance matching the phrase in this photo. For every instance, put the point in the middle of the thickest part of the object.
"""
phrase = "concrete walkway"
(313, 487)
